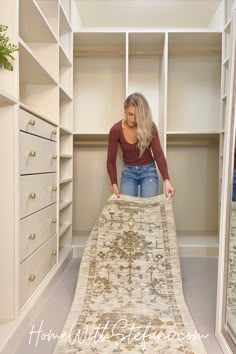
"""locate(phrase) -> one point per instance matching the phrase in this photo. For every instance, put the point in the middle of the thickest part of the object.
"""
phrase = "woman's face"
(130, 116)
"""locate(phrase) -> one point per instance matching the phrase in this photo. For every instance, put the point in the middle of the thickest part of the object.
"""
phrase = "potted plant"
(6, 49)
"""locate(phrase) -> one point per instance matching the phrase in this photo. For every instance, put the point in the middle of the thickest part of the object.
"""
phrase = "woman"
(138, 137)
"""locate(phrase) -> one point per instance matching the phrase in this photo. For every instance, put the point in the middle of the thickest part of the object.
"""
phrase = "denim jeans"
(139, 180)
(234, 187)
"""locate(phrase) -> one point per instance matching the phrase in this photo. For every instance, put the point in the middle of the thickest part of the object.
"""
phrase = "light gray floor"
(199, 283)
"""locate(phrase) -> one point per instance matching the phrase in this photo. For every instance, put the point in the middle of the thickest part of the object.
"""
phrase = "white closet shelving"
(224, 84)
(66, 127)
(193, 124)
(8, 146)
(99, 81)
(107, 65)
(180, 74)
(39, 58)
(147, 65)
(36, 118)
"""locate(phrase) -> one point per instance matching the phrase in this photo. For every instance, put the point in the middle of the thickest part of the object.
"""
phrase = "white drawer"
(36, 267)
(37, 192)
(34, 125)
(36, 229)
(37, 155)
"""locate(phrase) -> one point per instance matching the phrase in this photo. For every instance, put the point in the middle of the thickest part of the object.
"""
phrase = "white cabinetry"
(37, 153)
(180, 74)
(225, 81)
(38, 191)
(193, 128)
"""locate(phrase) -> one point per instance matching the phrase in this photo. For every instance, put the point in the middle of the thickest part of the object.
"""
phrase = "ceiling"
(146, 13)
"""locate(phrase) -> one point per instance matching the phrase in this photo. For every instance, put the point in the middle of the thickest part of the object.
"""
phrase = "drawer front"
(34, 125)
(36, 229)
(37, 155)
(36, 267)
(37, 192)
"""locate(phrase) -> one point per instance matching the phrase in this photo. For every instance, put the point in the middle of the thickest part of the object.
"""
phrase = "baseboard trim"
(78, 251)
(15, 330)
(198, 251)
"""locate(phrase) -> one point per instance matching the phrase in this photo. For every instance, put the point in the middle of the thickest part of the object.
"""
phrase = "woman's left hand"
(169, 189)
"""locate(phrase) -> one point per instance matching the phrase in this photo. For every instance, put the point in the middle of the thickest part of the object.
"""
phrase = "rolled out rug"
(129, 296)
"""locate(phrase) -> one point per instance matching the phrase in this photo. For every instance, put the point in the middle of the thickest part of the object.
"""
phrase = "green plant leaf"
(6, 49)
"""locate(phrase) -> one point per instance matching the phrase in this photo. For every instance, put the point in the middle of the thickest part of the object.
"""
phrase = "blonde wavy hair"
(143, 119)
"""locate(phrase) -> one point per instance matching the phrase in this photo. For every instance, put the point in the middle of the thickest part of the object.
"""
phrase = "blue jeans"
(142, 177)
(234, 187)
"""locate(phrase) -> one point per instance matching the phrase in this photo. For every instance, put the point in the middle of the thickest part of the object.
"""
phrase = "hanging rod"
(193, 143)
(80, 53)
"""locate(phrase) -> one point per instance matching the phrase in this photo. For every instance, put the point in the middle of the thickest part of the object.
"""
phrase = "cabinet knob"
(32, 195)
(32, 153)
(54, 157)
(54, 220)
(31, 277)
(32, 237)
(54, 132)
(54, 188)
(31, 122)
(54, 253)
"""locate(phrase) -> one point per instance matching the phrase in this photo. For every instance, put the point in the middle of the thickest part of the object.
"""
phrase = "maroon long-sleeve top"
(131, 152)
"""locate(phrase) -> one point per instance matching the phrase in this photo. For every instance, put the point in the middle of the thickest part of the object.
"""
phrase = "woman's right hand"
(116, 190)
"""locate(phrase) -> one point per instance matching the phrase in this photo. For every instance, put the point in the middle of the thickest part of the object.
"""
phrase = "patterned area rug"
(231, 296)
(129, 296)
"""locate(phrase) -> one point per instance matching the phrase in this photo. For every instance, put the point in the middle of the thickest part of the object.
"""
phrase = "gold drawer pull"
(54, 220)
(54, 189)
(32, 153)
(54, 253)
(32, 237)
(32, 195)
(31, 277)
(54, 132)
(31, 122)
(54, 157)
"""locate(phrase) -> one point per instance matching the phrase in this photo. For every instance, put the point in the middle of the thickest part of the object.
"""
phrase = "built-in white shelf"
(6, 100)
(47, 55)
(95, 44)
(226, 61)
(50, 10)
(65, 131)
(66, 156)
(63, 228)
(33, 26)
(64, 96)
(64, 21)
(93, 135)
(65, 180)
(64, 205)
(90, 139)
(193, 134)
(65, 7)
(145, 44)
(65, 34)
(34, 112)
(227, 25)
(31, 70)
(224, 97)
(194, 43)
(64, 59)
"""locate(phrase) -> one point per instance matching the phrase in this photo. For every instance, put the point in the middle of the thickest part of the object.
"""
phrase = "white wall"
(217, 21)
